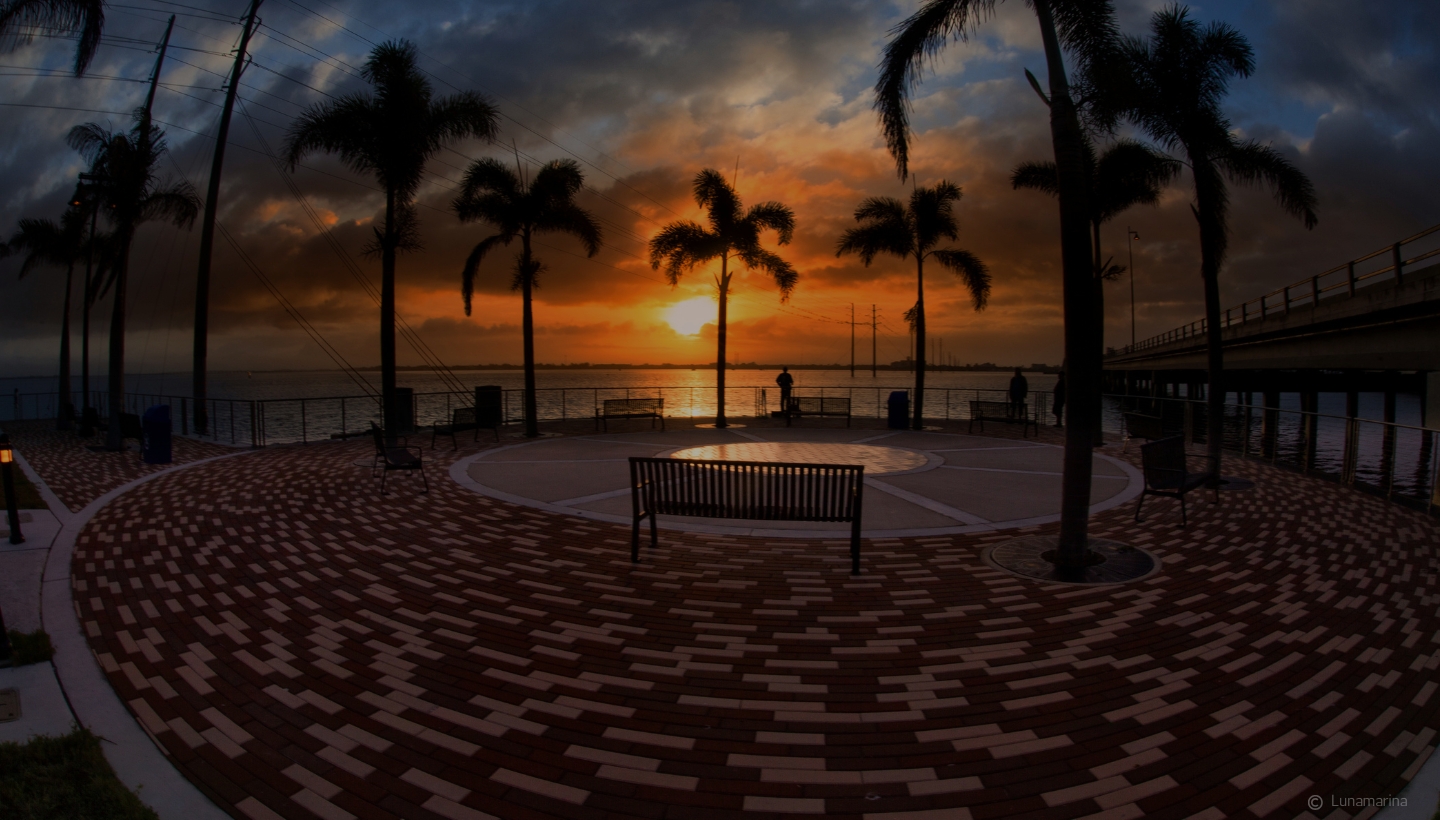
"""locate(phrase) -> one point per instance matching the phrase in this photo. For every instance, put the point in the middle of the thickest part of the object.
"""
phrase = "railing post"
(1350, 277)
(1314, 291)
(1287, 300)
(1399, 263)
(1262, 306)
(304, 432)
(343, 429)
(1352, 439)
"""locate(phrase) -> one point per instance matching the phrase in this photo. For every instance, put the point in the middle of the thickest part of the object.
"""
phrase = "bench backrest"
(1163, 460)
(1139, 425)
(756, 490)
(992, 409)
(130, 426)
(649, 405)
(820, 404)
(463, 415)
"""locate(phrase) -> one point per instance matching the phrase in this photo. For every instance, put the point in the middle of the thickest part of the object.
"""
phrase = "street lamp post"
(12, 510)
(1134, 237)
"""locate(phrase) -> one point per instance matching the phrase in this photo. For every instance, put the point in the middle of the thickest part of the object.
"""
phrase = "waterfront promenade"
(301, 646)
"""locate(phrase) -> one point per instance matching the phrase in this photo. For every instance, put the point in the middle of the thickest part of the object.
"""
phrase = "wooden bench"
(751, 490)
(652, 409)
(1166, 473)
(390, 457)
(130, 426)
(1003, 411)
(1139, 425)
(462, 418)
(833, 406)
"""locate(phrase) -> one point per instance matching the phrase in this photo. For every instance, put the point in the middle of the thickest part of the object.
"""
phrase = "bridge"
(1370, 324)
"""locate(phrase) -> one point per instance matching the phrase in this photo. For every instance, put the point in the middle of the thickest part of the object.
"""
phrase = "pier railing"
(1388, 264)
(1399, 462)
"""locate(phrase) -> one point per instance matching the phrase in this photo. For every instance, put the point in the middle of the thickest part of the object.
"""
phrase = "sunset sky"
(646, 93)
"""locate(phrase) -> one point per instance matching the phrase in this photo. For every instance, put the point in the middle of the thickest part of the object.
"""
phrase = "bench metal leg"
(425, 478)
(1138, 506)
(635, 539)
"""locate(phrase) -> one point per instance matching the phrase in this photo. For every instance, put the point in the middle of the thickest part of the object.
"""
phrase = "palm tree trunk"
(527, 332)
(918, 412)
(67, 408)
(114, 437)
(720, 420)
(1099, 420)
(1212, 239)
(391, 413)
(1075, 251)
(86, 300)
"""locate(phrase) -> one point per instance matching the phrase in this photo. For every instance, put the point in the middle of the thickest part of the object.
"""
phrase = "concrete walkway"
(301, 646)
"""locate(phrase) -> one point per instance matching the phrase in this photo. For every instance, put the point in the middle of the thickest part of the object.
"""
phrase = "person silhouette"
(1059, 393)
(786, 381)
(1019, 388)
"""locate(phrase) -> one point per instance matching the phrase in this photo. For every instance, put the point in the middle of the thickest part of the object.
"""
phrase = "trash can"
(156, 426)
(489, 407)
(899, 410)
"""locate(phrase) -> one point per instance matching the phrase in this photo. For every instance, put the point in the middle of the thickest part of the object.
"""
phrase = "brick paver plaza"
(301, 646)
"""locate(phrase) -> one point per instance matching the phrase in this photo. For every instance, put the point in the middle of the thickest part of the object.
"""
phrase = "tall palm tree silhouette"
(887, 225)
(1182, 74)
(132, 194)
(391, 134)
(1087, 30)
(20, 20)
(733, 232)
(1126, 174)
(46, 243)
(493, 193)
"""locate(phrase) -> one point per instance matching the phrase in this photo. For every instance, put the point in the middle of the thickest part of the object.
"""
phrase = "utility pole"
(198, 387)
(1134, 237)
(874, 344)
(852, 340)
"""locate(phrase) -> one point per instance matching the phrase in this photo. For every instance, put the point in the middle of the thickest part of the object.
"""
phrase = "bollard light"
(12, 512)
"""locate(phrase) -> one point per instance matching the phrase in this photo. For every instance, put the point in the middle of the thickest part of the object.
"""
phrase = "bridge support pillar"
(1309, 427)
(1270, 425)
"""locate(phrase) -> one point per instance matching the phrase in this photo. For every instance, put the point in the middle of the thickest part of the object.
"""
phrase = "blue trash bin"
(157, 428)
(898, 406)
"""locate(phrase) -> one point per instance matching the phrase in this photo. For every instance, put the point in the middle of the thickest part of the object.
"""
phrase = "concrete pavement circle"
(917, 484)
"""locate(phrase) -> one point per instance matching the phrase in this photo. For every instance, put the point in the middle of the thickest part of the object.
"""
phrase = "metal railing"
(1399, 462)
(263, 422)
(1337, 281)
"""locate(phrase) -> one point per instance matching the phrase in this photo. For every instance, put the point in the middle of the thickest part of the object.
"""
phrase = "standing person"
(786, 381)
(1019, 388)
(1060, 400)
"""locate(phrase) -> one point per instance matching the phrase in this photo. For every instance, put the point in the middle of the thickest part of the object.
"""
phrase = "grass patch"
(30, 648)
(26, 496)
(64, 777)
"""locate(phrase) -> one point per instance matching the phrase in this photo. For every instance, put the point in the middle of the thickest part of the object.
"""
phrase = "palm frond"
(971, 271)
(177, 204)
(488, 192)
(21, 19)
(932, 214)
(558, 181)
(1038, 176)
(781, 272)
(1129, 173)
(680, 246)
(915, 41)
(775, 217)
(715, 195)
(1251, 163)
(567, 217)
(344, 126)
(472, 265)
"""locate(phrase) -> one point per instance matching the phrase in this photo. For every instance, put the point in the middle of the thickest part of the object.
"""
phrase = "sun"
(689, 316)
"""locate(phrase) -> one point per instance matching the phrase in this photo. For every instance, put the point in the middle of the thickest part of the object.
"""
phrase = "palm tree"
(888, 226)
(493, 193)
(1182, 74)
(1128, 173)
(733, 231)
(20, 19)
(62, 245)
(131, 195)
(1086, 29)
(391, 134)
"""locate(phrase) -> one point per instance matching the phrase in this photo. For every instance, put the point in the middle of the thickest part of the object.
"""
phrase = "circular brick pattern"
(302, 646)
(877, 460)
(1028, 557)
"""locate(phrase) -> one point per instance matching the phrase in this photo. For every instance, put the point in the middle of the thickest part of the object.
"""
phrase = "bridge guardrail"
(1327, 284)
